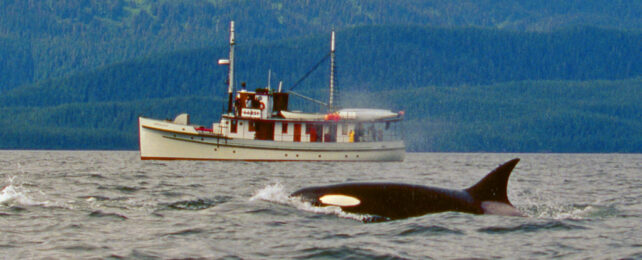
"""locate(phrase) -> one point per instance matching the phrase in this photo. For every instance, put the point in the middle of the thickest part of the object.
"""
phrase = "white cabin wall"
(289, 137)
(242, 130)
(225, 127)
(266, 103)
(278, 132)
(305, 138)
(217, 128)
(344, 138)
(246, 130)
(326, 130)
(283, 137)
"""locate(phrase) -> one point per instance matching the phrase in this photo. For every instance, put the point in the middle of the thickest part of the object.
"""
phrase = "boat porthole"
(286, 155)
(297, 156)
(233, 151)
(357, 156)
(215, 149)
(319, 156)
(346, 156)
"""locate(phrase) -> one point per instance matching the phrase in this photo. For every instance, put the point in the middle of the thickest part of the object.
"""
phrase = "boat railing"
(306, 138)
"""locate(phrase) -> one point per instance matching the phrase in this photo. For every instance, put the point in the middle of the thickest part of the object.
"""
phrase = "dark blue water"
(112, 205)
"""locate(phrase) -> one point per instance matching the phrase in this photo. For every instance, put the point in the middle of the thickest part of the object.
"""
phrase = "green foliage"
(66, 37)
(368, 58)
(16, 64)
(522, 76)
(524, 116)
(531, 116)
(95, 125)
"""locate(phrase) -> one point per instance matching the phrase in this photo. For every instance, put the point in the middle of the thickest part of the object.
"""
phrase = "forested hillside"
(368, 59)
(40, 40)
(527, 116)
(524, 76)
(524, 116)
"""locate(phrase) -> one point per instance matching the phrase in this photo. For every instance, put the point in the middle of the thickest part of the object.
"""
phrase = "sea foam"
(276, 193)
(13, 194)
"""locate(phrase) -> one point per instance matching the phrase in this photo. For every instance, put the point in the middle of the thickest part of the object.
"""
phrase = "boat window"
(252, 126)
(314, 133)
(284, 128)
(233, 126)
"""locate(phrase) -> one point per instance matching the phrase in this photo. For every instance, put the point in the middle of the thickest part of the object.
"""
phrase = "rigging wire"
(310, 72)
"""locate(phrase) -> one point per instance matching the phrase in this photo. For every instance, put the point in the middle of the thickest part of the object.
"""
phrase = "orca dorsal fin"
(493, 186)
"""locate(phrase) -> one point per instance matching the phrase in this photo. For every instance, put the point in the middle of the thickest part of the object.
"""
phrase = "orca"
(393, 201)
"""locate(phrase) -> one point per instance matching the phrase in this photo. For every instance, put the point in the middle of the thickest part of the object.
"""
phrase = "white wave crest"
(272, 193)
(562, 212)
(16, 195)
(276, 193)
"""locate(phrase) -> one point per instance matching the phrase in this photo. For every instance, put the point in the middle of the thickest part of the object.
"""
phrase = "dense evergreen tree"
(522, 116)
(425, 56)
(524, 76)
(65, 37)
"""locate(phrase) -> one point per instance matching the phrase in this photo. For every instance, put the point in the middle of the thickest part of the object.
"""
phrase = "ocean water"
(105, 204)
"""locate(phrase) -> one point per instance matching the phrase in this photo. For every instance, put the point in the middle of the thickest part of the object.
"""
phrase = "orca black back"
(391, 201)
(494, 186)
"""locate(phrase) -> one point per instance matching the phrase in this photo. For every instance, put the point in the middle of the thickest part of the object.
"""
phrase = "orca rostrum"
(391, 201)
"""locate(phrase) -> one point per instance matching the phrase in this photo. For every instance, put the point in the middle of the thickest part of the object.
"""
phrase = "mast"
(331, 101)
(269, 79)
(230, 88)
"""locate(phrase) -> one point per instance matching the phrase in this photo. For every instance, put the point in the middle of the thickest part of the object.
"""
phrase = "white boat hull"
(162, 140)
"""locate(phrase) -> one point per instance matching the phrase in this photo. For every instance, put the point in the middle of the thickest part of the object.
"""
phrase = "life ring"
(261, 106)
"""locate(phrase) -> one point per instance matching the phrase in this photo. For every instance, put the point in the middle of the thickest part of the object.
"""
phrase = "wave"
(415, 229)
(186, 232)
(197, 204)
(276, 193)
(344, 252)
(272, 193)
(16, 195)
(101, 214)
(569, 212)
(532, 227)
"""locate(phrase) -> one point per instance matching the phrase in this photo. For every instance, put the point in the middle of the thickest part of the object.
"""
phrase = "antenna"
(269, 78)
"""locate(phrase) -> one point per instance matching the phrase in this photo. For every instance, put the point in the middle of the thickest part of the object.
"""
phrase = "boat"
(258, 126)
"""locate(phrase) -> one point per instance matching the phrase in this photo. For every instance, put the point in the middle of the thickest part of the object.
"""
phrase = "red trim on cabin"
(202, 128)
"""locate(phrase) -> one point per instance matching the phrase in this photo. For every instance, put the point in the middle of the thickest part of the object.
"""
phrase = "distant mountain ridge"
(494, 76)
(63, 37)
(399, 56)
